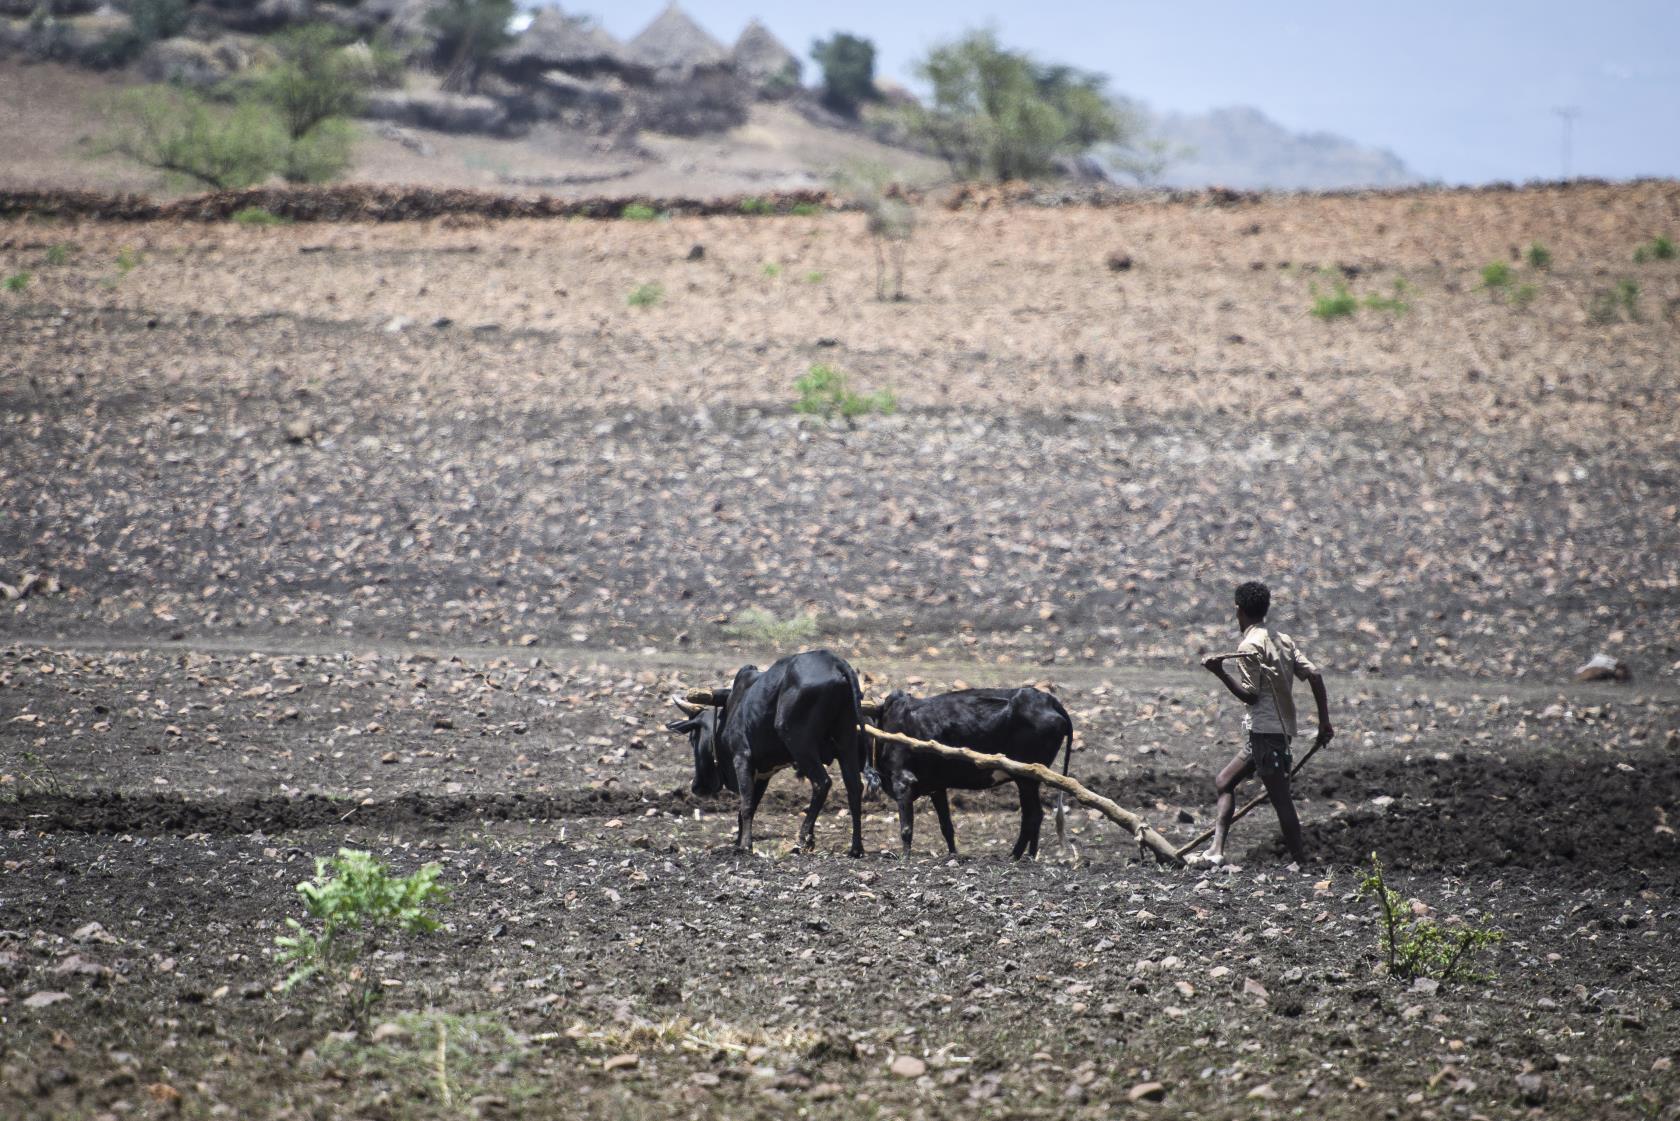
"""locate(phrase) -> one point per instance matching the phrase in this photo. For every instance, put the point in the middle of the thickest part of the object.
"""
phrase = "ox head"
(702, 731)
(893, 710)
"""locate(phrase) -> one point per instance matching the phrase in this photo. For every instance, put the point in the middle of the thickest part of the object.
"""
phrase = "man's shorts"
(1269, 752)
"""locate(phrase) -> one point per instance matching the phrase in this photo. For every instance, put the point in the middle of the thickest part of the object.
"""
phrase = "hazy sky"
(1461, 90)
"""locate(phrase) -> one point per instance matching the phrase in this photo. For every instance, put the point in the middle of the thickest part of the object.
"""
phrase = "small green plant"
(1497, 276)
(813, 277)
(772, 270)
(1657, 249)
(1420, 946)
(1337, 305)
(1395, 304)
(257, 216)
(354, 902)
(17, 282)
(757, 625)
(1538, 256)
(1609, 305)
(127, 261)
(823, 392)
(1523, 295)
(32, 776)
(58, 253)
(638, 212)
(805, 210)
(756, 206)
(646, 295)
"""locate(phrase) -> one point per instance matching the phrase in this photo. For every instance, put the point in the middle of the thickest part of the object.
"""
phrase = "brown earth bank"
(400, 536)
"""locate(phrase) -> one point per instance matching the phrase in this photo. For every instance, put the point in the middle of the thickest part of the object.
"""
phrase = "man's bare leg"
(1277, 789)
(1225, 785)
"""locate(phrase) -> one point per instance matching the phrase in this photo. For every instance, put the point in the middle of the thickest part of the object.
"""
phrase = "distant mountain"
(1243, 148)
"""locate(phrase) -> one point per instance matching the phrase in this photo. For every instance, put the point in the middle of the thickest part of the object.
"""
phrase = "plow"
(1147, 838)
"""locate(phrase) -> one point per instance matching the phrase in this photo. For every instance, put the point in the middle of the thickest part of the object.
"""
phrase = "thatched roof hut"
(676, 46)
(763, 60)
(556, 41)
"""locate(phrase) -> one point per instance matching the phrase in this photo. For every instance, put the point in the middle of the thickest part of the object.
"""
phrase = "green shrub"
(1395, 304)
(17, 282)
(756, 206)
(257, 216)
(354, 902)
(1538, 256)
(1657, 249)
(315, 81)
(757, 625)
(1611, 305)
(805, 209)
(638, 212)
(772, 269)
(813, 277)
(178, 132)
(58, 253)
(1337, 305)
(823, 392)
(646, 295)
(1523, 295)
(1420, 947)
(321, 154)
(1497, 276)
(127, 261)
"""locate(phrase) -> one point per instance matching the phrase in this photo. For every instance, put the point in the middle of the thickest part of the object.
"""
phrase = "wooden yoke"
(1146, 837)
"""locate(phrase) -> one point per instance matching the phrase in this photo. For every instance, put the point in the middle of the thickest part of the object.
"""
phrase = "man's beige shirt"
(1271, 675)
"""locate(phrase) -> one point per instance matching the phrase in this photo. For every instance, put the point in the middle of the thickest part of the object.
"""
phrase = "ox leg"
(942, 807)
(820, 782)
(1032, 817)
(904, 791)
(751, 791)
(852, 775)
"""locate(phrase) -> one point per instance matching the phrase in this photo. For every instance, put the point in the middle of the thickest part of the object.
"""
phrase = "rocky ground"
(398, 536)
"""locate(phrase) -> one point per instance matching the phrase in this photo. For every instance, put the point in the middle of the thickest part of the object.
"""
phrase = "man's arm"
(1325, 732)
(1247, 696)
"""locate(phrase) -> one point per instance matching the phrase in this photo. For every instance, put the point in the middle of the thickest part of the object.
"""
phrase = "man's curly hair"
(1254, 598)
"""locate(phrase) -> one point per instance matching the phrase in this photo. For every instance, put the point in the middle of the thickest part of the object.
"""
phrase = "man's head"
(1254, 599)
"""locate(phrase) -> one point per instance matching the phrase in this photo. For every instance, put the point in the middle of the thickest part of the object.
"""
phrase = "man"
(1267, 664)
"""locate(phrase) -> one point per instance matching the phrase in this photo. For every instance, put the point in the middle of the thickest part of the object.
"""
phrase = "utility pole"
(1567, 114)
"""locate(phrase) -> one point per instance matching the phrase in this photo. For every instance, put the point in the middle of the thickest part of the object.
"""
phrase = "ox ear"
(683, 726)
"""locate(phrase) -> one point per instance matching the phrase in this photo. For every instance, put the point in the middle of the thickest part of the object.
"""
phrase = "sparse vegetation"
(638, 212)
(127, 261)
(756, 206)
(1418, 946)
(17, 282)
(823, 392)
(257, 216)
(764, 627)
(1538, 256)
(813, 277)
(1339, 304)
(58, 253)
(469, 33)
(805, 210)
(180, 132)
(316, 81)
(1612, 305)
(1523, 295)
(772, 269)
(1000, 113)
(646, 295)
(30, 775)
(848, 66)
(1657, 249)
(355, 903)
(1497, 277)
(1395, 304)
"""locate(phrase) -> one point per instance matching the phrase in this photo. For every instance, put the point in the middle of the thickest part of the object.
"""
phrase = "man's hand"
(1214, 665)
(1325, 734)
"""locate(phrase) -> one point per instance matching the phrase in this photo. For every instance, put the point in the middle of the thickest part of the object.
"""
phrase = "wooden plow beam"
(1146, 837)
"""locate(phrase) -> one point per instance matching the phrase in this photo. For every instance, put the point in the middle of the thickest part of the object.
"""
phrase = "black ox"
(1026, 725)
(804, 712)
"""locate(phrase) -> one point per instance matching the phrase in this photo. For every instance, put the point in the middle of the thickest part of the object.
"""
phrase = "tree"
(469, 33)
(314, 81)
(848, 65)
(180, 132)
(999, 112)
